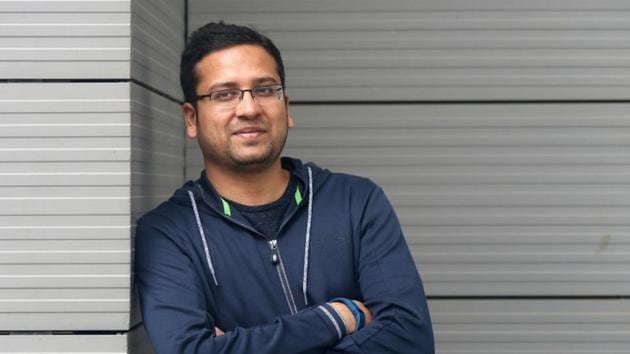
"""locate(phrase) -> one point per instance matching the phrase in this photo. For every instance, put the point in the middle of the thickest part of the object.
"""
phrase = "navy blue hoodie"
(200, 265)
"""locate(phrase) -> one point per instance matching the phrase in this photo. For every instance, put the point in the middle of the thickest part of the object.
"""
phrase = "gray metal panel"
(64, 217)
(157, 40)
(65, 39)
(531, 326)
(57, 344)
(157, 158)
(157, 161)
(194, 160)
(512, 199)
(441, 50)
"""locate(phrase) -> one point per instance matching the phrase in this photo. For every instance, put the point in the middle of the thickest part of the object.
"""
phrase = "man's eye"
(225, 95)
(264, 91)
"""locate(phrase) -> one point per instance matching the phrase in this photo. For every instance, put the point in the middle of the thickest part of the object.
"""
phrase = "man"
(263, 254)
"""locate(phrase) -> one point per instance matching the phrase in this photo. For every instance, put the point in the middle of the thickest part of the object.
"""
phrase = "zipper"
(276, 259)
(273, 245)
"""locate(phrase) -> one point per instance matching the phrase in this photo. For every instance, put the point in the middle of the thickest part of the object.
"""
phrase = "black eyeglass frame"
(277, 88)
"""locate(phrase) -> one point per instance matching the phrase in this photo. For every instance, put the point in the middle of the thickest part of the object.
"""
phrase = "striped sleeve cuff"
(334, 318)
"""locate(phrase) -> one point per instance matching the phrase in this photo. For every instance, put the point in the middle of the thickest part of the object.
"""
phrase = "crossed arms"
(176, 319)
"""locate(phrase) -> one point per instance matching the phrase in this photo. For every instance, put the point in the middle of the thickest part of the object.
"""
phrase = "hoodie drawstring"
(307, 242)
(203, 237)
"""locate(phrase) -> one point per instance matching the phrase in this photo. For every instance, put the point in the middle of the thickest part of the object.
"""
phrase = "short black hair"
(216, 36)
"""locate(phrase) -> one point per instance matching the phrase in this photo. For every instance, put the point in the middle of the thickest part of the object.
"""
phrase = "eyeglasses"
(230, 98)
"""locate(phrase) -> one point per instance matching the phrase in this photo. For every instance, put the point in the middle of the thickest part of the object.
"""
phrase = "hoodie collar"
(205, 193)
(294, 166)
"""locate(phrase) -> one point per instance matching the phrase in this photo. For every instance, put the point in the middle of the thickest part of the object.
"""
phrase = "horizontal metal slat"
(53, 344)
(65, 257)
(530, 326)
(448, 50)
(60, 322)
(66, 281)
(157, 34)
(65, 39)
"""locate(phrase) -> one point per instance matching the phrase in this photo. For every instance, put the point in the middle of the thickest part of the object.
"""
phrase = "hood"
(201, 192)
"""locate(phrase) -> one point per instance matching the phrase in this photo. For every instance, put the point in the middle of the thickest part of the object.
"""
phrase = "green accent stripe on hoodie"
(298, 196)
(226, 207)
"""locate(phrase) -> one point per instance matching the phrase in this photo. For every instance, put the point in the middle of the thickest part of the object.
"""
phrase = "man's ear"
(289, 115)
(190, 119)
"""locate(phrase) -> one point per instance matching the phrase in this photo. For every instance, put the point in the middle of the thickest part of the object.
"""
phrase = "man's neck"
(250, 188)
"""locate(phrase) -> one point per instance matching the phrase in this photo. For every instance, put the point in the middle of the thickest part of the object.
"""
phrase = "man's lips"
(249, 132)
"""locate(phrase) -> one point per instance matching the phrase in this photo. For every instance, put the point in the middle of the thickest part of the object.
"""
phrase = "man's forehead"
(230, 64)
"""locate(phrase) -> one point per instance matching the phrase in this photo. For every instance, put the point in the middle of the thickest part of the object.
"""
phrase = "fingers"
(365, 310)
(218, 331)
(348, 318)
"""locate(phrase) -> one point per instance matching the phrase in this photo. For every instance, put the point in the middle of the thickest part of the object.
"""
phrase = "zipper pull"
(273, 244)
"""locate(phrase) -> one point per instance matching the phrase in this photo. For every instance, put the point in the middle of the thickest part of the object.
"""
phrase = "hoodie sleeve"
(175, 314)
(390, 285)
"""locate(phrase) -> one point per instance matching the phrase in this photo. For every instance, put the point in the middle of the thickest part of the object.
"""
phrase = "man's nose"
(247, 107)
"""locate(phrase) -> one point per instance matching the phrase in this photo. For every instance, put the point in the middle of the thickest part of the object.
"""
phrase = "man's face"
(250, 136)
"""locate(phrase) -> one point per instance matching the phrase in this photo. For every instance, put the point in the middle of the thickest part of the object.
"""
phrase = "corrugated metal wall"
(78, 39)
(89, 89)
(157, 40)
(355, 50)
(500, 131)
(64, 237)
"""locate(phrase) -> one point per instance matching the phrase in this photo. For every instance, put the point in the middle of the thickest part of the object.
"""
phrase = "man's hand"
(218, 331)
(365, 310)
(348, 318)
